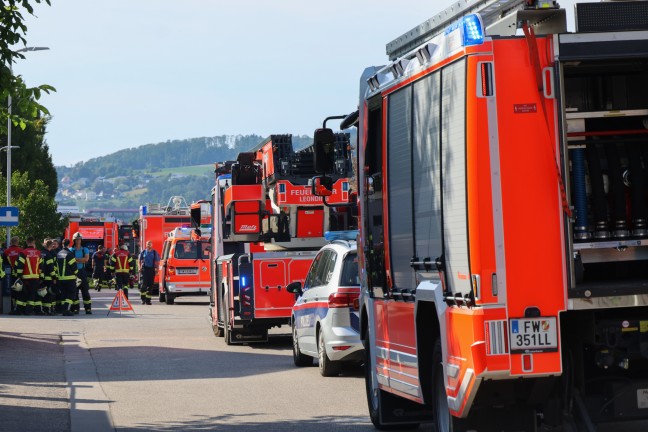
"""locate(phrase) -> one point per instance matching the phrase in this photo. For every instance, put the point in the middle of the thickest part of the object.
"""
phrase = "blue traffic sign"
(9, 216)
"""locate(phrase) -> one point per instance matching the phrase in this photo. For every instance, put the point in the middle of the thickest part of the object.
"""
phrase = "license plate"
(532, 335)
(642, 398)
(187, 271)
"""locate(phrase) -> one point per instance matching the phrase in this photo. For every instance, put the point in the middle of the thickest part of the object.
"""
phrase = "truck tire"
(170, 298)
(327, 367)
(375, 396)
(299, 359)
(218, 331)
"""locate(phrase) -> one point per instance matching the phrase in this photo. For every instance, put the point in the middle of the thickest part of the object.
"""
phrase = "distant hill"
(154, 172)
(170, 154)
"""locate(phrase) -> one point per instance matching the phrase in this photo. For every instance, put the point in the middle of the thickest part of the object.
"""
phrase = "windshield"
(186, 249)
(349, 275)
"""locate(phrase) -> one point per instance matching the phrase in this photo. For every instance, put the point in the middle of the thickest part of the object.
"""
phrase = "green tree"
(26, 108)
(33, 155)
(38, 216)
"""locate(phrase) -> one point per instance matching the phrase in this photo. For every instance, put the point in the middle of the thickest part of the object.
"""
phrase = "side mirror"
(295, 288)
(324, 146)
(322, 186)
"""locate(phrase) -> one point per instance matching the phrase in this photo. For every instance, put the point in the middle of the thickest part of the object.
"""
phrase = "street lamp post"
(9, 146)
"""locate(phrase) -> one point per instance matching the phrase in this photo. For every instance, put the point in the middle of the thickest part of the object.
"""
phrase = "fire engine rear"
(504, 241)
(94, 230)
(156, 221)
(268, 226)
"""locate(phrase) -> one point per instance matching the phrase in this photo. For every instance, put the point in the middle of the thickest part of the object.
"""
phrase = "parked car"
(325, 321)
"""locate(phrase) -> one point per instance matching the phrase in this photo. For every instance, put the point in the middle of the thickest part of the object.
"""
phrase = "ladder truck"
(267, 228)
(503, 241)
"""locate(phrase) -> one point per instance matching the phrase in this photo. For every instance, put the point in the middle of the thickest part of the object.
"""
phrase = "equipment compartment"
(606, 119)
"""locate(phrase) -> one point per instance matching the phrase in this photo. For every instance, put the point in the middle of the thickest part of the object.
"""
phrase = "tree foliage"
(138, 168)
(38, 213)
(26, 108)
(34, 181)
(33, 155)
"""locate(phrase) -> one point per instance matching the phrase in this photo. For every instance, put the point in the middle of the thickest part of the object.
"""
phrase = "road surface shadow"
(133, 363)
(33, 393)
(248, 423)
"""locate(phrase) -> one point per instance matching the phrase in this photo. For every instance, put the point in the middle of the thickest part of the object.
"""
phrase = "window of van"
(186, 249)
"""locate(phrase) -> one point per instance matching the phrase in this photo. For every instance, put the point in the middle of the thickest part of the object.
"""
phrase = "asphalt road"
(162, 369)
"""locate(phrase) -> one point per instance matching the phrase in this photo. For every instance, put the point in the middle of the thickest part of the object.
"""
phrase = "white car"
(325, 321)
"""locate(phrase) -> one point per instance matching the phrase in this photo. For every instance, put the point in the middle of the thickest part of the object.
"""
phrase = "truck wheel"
(170, 298)
(299, 359)
(218, 331)
(327, 367)
(227, 334)
(375, 396)
(442, 417)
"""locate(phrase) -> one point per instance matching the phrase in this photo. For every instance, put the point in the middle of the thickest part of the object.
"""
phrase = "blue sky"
(133, 72)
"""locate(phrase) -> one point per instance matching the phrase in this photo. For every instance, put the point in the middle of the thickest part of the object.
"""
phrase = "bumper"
(188, 288)
(342, 340)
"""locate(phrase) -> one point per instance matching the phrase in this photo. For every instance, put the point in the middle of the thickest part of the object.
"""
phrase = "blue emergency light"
(341, 235)
(243, 281)
(473, 30)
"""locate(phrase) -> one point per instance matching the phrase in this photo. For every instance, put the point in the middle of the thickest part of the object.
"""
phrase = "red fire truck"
(94, 230)
(267, 228)
(156, 221)
(503, 244)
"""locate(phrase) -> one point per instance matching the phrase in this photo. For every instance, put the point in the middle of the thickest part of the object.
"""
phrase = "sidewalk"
(48, 379)
(33, 394)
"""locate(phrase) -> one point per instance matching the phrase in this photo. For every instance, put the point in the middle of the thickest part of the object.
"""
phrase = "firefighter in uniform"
(2, 273)
(99, 268)
(148, 262)
(82, 255)
(11, 255)
(66, 274)
(123, 265)
(50, 299)
(28, 268)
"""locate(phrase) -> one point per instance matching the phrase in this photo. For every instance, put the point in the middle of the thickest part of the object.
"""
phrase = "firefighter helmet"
(77, 235)
(79, 282)
(124, 246)
(17, 286)
(42, 292)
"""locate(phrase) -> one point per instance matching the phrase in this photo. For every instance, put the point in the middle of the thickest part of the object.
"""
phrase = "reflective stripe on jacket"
(48, 265)
(66, 268)
(122, 262)
(11, 254)
(29, 264)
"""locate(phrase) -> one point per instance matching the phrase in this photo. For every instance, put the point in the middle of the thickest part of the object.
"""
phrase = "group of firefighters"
(48, 281)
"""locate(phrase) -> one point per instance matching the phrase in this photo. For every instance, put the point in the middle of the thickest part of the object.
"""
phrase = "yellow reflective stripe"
(29, 266)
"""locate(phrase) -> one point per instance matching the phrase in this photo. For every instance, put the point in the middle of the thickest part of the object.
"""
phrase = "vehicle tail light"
(341, 348)
(340, 300)
(245, 297)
